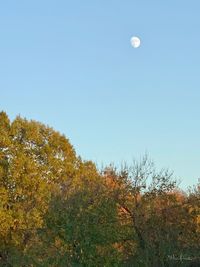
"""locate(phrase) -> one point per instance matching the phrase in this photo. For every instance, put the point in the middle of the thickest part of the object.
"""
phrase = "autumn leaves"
(58, 210)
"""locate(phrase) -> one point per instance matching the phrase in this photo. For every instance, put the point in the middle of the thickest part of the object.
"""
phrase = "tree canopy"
(59, 210)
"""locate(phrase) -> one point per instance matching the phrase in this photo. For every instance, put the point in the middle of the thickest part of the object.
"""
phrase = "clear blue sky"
(69, 64)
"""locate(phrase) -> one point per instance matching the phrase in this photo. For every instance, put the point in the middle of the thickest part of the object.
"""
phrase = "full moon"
(135, 42)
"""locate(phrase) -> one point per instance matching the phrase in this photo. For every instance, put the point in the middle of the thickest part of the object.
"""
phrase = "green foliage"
(83, 228)
(34, 162)
(58, 210)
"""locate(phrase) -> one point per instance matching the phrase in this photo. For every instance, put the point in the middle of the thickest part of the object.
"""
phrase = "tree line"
(58, 210)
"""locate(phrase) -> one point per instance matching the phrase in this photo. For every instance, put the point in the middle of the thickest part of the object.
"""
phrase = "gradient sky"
(69, 64)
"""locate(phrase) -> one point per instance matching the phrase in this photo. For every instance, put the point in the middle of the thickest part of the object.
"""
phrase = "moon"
(135, 42)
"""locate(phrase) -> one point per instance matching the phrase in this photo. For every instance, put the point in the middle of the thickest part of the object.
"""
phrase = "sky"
(70, 65)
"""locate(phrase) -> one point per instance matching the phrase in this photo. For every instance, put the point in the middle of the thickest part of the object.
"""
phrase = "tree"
(143, 195)
(35, 161)
(165, 221)
(52, 202)
(82, 229)
(58, 210)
